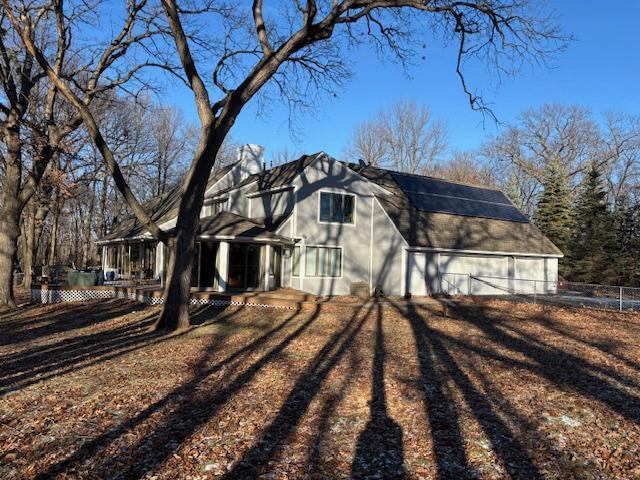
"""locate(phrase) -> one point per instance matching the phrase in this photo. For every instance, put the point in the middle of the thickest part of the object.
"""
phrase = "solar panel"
(432, 195)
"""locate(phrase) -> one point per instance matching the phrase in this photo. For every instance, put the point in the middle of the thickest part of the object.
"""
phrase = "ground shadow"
(379, 451)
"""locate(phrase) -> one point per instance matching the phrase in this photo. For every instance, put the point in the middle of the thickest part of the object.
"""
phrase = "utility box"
(82, 279)
(359, 289)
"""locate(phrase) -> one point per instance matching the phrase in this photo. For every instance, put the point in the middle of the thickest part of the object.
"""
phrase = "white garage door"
(537, 275)
(475, 274)
(417, 277)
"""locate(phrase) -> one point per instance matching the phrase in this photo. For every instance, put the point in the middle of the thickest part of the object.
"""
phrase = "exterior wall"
(536, 275)
(463, 274)
(354, 239)
(388, 248)
(280, 203)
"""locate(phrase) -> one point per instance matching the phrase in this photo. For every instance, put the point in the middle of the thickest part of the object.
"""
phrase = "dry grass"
(499, 390)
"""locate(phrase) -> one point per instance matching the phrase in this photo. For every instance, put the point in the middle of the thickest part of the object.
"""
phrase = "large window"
(218, 206)
(335, 207)
(323, 262)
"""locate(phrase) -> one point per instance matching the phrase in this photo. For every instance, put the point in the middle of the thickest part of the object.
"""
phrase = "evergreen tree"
(553, 215)
(593, 243)
(628, 243)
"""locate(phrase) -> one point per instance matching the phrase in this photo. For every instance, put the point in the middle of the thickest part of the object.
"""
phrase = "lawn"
(495, 390)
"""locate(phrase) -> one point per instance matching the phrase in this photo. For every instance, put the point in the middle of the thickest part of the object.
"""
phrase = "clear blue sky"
(600, 70)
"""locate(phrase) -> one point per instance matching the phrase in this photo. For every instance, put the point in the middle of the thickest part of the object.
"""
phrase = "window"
(218, 207)
(335, 207)
(295, 268)
(323, 262)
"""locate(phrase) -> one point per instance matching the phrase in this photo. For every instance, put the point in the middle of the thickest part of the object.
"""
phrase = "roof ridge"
(454, 182)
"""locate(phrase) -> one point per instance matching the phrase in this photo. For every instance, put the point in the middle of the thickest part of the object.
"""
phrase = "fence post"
(469, 285)
(535, 292)
(620, 298)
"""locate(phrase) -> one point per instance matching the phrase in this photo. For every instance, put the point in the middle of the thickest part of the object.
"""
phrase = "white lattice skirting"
(59, 296)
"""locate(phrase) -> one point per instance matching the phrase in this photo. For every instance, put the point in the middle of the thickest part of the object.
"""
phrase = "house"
(322, 226)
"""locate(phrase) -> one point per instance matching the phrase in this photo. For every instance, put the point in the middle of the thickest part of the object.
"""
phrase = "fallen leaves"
(497, 390)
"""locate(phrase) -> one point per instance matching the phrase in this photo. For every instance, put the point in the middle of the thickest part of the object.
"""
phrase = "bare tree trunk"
(175, 311)
(29, 233)
(87, 226)
(10, 216)
(53, 240)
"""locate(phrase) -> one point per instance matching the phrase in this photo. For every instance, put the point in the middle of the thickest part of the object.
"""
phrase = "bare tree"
(621, 150)
(172, 140)
(565, 135)
(465, 167)
(293, 53)
(404, 137)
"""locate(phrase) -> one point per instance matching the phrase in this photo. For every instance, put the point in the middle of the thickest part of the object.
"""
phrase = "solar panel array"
(432, 195)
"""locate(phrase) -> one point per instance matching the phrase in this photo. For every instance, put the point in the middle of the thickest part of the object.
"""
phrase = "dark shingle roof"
(455, 232)
(162, 209)
(227, 224)
(275, 177)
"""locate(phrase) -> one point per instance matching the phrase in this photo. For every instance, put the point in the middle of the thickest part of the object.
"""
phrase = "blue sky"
(600, 70)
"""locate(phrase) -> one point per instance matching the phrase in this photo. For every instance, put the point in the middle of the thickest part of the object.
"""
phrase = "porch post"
(160, 262)
(223, 266)
(267, 266)
(104, 258)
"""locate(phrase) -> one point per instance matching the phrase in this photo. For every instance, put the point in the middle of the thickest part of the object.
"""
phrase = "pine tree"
(628, 243)
(593, 243)
(553, 215)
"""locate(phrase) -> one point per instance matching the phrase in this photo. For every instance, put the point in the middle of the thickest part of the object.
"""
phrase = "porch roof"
(229, 226)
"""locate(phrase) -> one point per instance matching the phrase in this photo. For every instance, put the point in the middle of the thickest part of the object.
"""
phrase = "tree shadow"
(379, 450)
(190, 404)
(273, 438)
(439, 368)
(34, 323)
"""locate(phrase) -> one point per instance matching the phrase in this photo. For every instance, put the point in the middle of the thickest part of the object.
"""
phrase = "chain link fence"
(558, 292)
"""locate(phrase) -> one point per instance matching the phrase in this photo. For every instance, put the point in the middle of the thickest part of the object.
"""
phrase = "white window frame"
(339, 247)
(338, 192)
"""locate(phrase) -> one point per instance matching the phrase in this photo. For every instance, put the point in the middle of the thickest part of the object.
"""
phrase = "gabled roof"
(229, 225)
(276, 177)
(161, 208)
(446, 231)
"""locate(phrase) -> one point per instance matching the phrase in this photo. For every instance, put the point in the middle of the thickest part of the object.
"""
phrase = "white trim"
(371, 246)
(483, 252)
(267, 191)
(337, 192)
(323, 276)
(392, 223)
(403, 276)
(221, 178)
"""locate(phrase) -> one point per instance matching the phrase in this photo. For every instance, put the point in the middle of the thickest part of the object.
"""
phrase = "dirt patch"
(496, 390)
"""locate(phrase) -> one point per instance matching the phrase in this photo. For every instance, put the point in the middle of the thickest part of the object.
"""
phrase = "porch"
(232, 254)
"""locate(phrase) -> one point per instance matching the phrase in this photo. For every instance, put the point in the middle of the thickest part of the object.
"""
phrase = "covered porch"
(232, 254)
(235, 254)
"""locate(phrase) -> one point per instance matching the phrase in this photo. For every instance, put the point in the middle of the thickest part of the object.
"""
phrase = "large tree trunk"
(9, 233)
(175, 310)
(28, 242)
(10, 216)
(53, 240)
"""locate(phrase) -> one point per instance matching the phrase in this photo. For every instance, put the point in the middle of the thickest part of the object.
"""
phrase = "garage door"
(477, 274)
(537, 275)
(417, 277)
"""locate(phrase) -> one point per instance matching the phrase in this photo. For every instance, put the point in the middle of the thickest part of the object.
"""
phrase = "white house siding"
(353, 239)
(271, 204)
(476, 274)
(490, 274)
(534, 274)
(388, 251)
